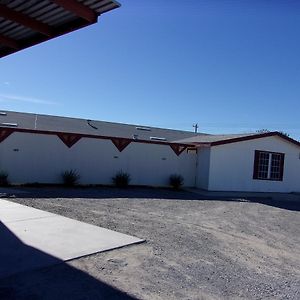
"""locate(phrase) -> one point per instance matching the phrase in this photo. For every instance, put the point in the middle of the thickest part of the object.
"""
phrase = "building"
(38, 148)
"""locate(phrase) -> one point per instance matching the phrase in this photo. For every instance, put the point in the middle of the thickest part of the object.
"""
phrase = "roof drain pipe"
(89, 123)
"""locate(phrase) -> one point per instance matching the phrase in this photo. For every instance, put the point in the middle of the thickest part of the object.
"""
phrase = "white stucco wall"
(231, 166)
(203, 164)
(30, 158)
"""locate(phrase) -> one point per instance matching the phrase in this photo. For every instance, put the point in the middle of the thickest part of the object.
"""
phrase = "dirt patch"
(195, 249)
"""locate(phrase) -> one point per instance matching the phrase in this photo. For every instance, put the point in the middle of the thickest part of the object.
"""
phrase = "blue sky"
(228, 65)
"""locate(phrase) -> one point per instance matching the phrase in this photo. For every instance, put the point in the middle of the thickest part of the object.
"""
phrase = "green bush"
(121, 179)
(3, 178)
(70, 177)
(176, 181)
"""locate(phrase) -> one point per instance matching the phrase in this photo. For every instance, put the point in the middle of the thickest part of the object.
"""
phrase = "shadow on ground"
(148, 193)
(283, 204)
(22, 263)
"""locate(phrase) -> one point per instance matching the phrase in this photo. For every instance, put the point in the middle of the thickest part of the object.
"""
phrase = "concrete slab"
(32, 238)
(17, 212)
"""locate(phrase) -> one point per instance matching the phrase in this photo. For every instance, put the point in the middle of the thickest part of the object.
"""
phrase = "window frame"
(256, 167)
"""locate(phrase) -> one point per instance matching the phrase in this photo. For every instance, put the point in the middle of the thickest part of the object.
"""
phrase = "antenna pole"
(196, 127)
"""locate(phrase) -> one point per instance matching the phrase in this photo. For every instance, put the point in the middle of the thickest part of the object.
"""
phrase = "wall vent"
(156, 138)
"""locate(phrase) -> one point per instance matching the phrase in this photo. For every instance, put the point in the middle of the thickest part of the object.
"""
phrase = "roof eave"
(255, 136)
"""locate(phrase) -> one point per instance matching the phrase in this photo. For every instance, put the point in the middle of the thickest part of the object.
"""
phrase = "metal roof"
(30, 122)
(38, 122)
(24, 23)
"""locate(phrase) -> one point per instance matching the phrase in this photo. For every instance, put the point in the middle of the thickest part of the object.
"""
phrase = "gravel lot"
(196, 247)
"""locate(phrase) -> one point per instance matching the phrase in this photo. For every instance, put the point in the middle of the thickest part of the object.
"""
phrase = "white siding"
(42, 158)
(231, 166)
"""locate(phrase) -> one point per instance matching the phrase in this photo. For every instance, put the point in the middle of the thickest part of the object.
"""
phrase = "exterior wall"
(203, 164)
(31, 158)
(231, 166)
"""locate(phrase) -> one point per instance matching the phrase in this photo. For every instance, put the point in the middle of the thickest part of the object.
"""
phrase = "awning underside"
(24, 23)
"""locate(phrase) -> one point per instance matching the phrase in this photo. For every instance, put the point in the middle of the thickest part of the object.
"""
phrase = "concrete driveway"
(33, 238)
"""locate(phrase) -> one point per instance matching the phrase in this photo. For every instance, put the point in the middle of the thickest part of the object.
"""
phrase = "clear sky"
(228, 65)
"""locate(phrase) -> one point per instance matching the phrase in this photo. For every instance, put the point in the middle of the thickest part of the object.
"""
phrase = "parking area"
(198, 246)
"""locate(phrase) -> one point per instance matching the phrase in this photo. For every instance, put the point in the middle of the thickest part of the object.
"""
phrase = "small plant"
(176, 181)
(121, 179)
(70, 177)
(3, 178)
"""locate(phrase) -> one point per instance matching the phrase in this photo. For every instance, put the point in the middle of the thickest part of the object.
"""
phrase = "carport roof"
(24, 23)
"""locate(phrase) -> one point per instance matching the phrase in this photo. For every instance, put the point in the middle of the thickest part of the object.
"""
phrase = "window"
(268, 165)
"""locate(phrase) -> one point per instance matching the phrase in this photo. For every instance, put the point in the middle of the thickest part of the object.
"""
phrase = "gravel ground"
(195, 248)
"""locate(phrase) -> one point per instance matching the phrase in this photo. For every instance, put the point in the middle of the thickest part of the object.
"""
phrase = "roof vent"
(143, 128)
(155, 138)
(9, 124)
(135, 136)
(2, 113)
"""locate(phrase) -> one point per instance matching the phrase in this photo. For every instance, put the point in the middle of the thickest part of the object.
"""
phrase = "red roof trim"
(5, 133)
(177, 148)
(173, 145)
(120, 144)
(101, 137)
(69, 139)
(256, 136)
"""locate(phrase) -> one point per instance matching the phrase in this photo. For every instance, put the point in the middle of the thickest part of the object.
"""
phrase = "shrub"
(3, 178)
(121, 179)
(70, 177)
(176, 181)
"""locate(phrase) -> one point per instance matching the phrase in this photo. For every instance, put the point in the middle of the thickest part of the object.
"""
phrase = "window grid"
(268, 165)
(263, 165)
(275, 166)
